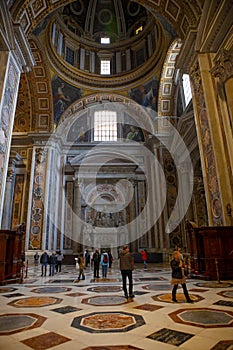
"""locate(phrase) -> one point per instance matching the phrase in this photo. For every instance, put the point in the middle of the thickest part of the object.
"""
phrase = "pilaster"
(212, 141)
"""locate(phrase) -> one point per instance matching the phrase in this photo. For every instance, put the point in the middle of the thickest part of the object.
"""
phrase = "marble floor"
(61, 312)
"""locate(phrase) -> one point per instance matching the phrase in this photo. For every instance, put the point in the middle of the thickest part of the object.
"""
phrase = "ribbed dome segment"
(117, 19)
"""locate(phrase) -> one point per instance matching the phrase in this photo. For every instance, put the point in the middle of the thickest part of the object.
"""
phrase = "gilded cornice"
(223, 65)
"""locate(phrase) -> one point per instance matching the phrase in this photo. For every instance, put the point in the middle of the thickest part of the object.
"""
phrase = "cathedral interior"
(116, 128)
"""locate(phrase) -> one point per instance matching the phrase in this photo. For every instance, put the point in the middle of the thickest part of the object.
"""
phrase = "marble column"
(9, 195)
(161, 238)
(183, 171)
(132, 214)
(78, 226)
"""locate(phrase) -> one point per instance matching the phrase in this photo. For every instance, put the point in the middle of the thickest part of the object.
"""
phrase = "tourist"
(126, 267)
(44, 260)
(81, 264)
(53, 263)
(178, 277)
(36, 259)
(60, 257)
(104, 263)
(144, 258)
(110, 259)
(96, 263)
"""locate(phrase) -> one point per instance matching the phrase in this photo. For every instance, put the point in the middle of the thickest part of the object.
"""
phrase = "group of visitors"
(54, 261)
(105, 259)
(97, 260)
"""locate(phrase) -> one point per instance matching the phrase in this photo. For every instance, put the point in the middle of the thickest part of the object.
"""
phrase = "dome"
(89, 44)
(117, 20)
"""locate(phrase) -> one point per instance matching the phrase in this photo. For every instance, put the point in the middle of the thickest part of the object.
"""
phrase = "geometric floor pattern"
(62, 313)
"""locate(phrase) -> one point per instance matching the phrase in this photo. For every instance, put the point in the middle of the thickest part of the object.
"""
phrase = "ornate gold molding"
(223, 68)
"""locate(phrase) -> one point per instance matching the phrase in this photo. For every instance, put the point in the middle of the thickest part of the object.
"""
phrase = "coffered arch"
(181, 15)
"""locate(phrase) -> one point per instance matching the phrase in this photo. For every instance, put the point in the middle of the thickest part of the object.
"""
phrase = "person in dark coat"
(53, 263)
(178, 277)
(44, 260)
(96, 262)
(126, 267)
(110, 259)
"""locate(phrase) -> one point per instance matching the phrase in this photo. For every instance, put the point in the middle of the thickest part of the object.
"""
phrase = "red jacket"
(144, 255)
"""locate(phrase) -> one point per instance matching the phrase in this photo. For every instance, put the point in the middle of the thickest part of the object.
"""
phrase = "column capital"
(223, 65)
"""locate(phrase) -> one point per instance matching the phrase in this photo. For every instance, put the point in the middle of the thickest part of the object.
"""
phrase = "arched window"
(186, 89)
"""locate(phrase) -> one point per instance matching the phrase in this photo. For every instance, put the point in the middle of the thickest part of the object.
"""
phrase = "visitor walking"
(104, 263)
(53, 263)
(144, 258)
(178, 277)
(126, 267)
(110, 259)
(60, 257)
(44, 260)
(36, 259)
(96, 263)
(87, 258)
(81, 264)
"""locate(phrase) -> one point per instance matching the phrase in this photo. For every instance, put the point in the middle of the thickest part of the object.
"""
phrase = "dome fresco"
(116, 19)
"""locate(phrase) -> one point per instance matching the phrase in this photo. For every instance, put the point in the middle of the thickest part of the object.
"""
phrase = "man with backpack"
(104, 262)
(96, 262)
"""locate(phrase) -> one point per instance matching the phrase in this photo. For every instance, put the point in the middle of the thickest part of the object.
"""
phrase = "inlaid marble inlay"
(167, 297)
(170, 336)
(14, 323)
(45, 341)
(148, 307)
(104, 300)
(49, 289)
(203, 317)
(35, 302)
(105, 289)
(108, 322)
